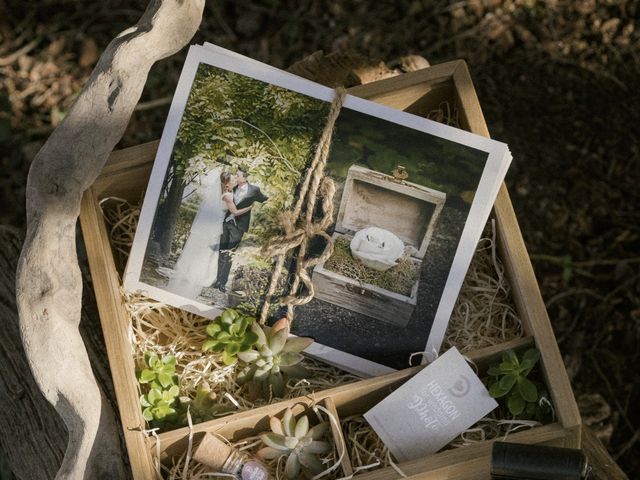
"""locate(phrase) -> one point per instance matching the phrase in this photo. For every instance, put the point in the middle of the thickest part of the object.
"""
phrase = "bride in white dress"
(197, 266)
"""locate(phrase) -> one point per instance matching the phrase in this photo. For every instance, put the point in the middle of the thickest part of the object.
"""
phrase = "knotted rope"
(300, 229)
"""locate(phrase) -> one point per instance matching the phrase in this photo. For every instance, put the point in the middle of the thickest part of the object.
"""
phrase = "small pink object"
(223, 458)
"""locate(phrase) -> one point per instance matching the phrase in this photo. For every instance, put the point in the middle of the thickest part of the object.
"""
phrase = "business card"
(432, 408)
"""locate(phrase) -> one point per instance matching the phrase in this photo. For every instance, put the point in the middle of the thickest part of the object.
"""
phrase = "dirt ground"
(558, 80)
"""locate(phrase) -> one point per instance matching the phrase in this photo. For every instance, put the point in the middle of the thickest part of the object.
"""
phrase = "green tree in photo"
(380, 145)
(241, 122)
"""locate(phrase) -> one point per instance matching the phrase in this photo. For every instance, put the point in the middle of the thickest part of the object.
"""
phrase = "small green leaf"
(494, 371)
(147, 376)
(529, 360)
(510, 357)
(165, 379)
(274, 440)
(244, 323)
(262, 337)
(302, 427)
(297, 344)
(250, 338)
(269, 453)
(292, 467)
(527, 390)
(277, 340)
(152, 360)
(228, 316)
(496, 391)
(507, 382)
(208, 345)
(167, 397)
(506, 367)
(223, 336)
(249, 356)
(516, 404)
(144, 402)
(532, 355)
(232, 348)
(174, 391)
(228, 358)
(288, 422)
(234, 328)
(318, 447)
(213, 328)
(147, 414)
(154, 396)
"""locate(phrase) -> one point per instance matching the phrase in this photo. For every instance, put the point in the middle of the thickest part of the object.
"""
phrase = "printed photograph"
(238, 155)
(402, 202)
(237, 160)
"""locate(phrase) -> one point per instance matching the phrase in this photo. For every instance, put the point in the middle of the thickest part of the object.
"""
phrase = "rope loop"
(299, 225)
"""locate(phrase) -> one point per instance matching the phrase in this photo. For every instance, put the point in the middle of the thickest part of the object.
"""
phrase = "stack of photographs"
(412, 199)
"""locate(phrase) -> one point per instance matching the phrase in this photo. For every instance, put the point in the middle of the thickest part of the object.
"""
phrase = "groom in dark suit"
(234, 227)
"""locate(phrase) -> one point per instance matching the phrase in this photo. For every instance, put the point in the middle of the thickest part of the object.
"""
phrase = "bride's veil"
(197, 265)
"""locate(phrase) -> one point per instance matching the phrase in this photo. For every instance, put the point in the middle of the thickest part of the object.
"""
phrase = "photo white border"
(492, 176)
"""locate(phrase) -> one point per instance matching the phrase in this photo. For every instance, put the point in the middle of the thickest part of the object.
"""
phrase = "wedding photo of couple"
(224, 216)
(218, 189)
(221, 221)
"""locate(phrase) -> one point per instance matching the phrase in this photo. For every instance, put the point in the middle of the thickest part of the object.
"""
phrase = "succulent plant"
(295, 440)
(162, 381)
(230, 334)
(203, 407)
(159, 404)
(509, 381)
(274, 354)
(160, 372)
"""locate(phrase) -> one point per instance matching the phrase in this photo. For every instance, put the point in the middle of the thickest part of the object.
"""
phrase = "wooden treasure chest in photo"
(408, 210)
(126, 176)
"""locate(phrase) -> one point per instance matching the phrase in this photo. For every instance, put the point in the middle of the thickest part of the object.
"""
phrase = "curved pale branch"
(48, 277)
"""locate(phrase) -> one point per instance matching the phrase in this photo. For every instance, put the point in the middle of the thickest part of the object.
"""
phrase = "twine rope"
(300, 229)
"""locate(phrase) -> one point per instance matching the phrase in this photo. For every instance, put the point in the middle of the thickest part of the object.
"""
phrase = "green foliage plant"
(203, 407)
(525, 398)
(230, 334)
(161, 381)
(294, 439)
(274, 356)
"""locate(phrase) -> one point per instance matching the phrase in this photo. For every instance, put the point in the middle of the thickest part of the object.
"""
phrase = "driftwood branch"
(49, 282)
(33, 437)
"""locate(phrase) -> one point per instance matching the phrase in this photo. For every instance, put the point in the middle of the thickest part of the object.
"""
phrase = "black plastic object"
(514, 461)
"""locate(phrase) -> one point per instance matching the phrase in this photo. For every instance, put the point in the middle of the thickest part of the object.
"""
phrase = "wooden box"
(373, 199)
(126, 176)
